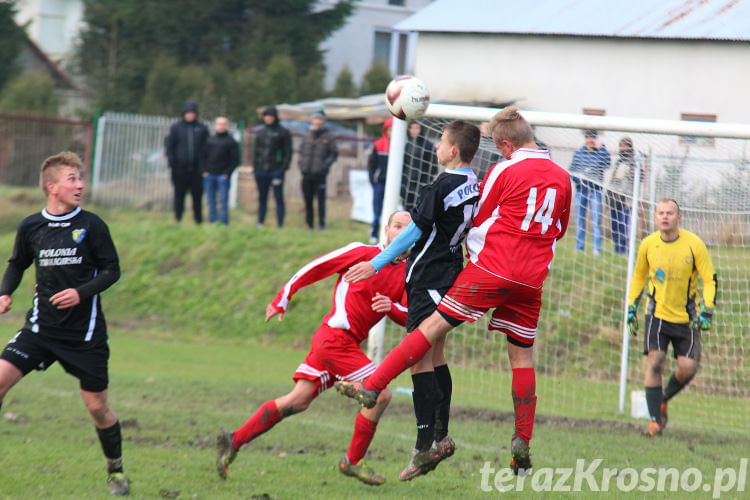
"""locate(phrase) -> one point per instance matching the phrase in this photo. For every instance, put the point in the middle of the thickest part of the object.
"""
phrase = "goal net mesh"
(580, 333)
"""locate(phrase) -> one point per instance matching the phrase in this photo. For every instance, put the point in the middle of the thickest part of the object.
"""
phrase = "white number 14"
(543, 215)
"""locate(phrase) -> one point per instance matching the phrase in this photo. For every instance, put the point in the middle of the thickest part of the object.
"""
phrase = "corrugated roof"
(671, 19)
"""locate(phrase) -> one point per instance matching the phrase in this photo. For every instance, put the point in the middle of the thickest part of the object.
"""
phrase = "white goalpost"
(586, 361)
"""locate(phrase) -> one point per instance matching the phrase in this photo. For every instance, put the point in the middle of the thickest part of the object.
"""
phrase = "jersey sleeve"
(324, 266)
(640, 275)
(708, 274)
(20, 260)
(107, 261)
(398, 311)
(403, 242)
(427, 209)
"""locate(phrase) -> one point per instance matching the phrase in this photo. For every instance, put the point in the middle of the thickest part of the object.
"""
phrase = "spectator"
(377, 167)
(186, 156)
(621, 182)
(273, 152)
(221, 160)
(317, 154)
(420, 165)
(587, 172)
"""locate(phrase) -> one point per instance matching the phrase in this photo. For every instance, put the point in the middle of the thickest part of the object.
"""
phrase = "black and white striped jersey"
(443, 214)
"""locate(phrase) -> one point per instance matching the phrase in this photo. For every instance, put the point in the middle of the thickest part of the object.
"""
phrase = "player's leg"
(442, 441)
(655, 347)
(365, 425)
(9, 376)
(686, 342)
(523, 391)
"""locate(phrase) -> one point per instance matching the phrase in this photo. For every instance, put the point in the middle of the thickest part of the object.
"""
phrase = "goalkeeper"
(670, 260)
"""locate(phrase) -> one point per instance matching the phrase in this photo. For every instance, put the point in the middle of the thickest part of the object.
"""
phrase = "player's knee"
(384, 398)
(98, 409)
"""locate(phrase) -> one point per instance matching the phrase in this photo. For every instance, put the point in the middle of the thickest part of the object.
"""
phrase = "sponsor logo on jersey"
(59, 256)
(79, 235)
(660, 275)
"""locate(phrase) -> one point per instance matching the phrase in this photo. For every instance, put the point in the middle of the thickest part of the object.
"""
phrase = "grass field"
(190, 354)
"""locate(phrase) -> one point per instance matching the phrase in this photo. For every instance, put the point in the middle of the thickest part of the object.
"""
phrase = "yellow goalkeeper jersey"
(672, 269)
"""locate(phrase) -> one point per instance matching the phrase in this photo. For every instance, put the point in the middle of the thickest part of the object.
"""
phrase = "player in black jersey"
(75, 260)
(440, 221)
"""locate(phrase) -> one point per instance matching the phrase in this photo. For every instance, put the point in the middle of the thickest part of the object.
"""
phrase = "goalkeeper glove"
(633, 320)
(704, 320)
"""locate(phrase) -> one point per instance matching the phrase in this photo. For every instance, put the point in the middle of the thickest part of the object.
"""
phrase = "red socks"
(266, 417)
(524, 400)
(409, 351)
(364, 430)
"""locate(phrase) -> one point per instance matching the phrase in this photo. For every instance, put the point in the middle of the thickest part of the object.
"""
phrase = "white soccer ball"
(407, 97)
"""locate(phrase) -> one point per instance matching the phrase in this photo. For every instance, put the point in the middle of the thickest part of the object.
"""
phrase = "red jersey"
(352, 302)
(524, 207)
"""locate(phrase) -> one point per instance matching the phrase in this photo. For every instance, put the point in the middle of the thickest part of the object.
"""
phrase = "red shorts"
(475, 291)
(334, 354)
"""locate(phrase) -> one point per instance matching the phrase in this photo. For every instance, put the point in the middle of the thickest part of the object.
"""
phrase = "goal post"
(583, 354)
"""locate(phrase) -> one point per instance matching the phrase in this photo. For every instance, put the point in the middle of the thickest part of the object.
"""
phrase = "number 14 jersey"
(524, 207)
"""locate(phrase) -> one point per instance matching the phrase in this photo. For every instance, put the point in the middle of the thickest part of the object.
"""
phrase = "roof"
(668, 19)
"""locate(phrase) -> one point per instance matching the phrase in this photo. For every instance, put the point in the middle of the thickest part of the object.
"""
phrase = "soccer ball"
(407, 97)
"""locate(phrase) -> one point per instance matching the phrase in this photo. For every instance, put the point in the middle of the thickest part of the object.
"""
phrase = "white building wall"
(625, 77)
(353, 44)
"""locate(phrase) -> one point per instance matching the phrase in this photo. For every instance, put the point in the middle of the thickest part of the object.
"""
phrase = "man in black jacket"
(273, 151)
(317, 154)
(186, 155)
(420, 165)
(221, 160)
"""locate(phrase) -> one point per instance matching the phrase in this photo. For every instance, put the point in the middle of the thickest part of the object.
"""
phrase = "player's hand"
(381, 303)
(359, 272)
(271, 311)
(633, 320)
(704, 320)
(66, 299)
(5, 303)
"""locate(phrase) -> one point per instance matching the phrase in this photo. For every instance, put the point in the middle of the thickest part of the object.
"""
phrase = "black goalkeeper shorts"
(686, 341)
(422, 303)
(87, 361)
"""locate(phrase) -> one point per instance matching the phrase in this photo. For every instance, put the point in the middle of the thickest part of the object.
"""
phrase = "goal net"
(586, 366)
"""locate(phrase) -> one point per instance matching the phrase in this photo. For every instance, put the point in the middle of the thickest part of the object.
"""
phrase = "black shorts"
(87, 361)
(686, 341)
(421, 304)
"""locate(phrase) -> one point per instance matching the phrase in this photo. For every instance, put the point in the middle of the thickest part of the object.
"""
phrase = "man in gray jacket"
(316, 155)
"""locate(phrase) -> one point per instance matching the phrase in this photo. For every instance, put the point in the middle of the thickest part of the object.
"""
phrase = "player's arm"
(710, 284)
(394, 310)
(21, 258)
(637, 282)
(565, 214)
(324, 266)
(403, 242)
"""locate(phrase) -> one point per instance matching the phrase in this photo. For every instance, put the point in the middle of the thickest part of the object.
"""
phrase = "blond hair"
(509, 125)
(51, 167)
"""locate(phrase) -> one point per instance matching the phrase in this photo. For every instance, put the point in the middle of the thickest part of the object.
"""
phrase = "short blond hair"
(51, 167)
(509, 125)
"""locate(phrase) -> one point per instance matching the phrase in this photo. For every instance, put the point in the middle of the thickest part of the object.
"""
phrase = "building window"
(698, 141)
(382, 48)
(399, 3)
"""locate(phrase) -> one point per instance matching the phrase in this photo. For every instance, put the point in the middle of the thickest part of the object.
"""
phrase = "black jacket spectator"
(317, 153)
(186, 142)
(222, 155)
(273, 146)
